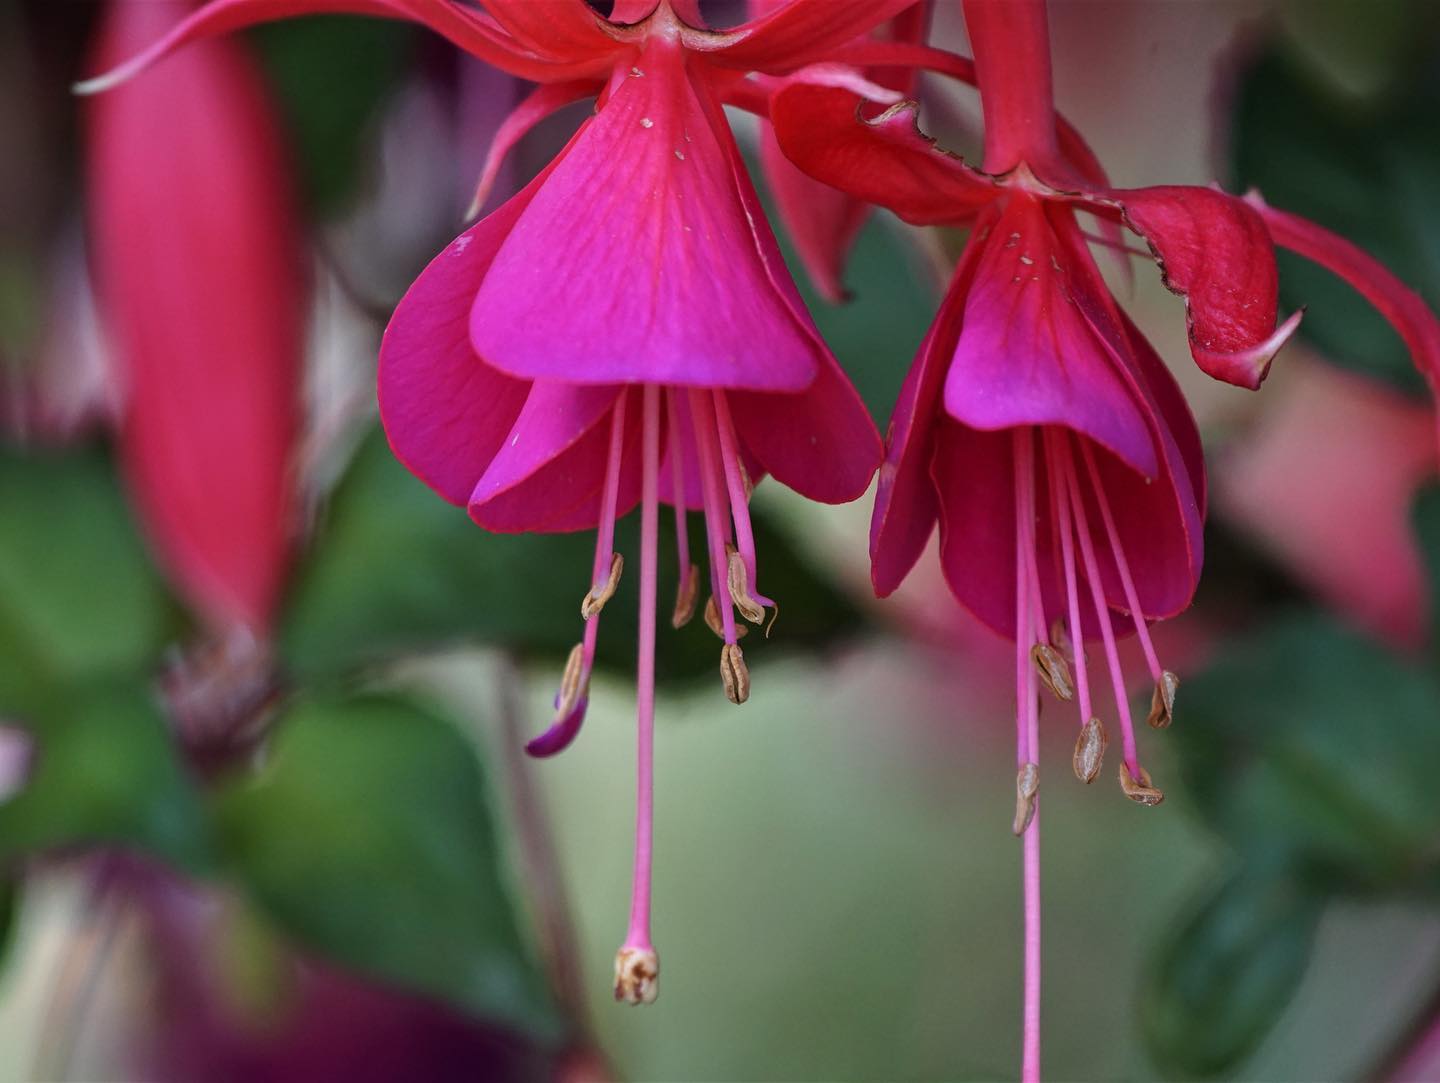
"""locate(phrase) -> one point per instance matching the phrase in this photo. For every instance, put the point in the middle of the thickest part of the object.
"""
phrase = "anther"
(593, 602)
(1162, 700)
(739, 582)
(637, 975)
(745, 481)
(1090, 750)
(570, 682)
(1027, 783)
(716, 625)
(1140, 790)
(685, 597)
(734, 674)
(1060, 638)
(1053, 670)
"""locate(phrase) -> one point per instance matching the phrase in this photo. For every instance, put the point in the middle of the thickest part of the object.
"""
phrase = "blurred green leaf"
(78, 596)
(368, 839)
(105, 772)
(396, 569)
(9, 913)
(1309, 739)
(1367, 170)
(1219, 984)
(1425, 515)
(332, 74)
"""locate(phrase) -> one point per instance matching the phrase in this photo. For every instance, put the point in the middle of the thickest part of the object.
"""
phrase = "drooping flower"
(1037, 426)
(198, 262)
(623, 330)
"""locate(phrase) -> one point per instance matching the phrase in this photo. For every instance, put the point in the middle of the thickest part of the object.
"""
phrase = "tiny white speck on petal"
(646, 122)
(680, 155)
(636, 73)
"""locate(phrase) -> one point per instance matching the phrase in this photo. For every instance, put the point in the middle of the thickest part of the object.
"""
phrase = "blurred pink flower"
(198, 262)
(525, 372)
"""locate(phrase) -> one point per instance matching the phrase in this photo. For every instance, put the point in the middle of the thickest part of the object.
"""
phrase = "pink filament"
(739, 501)
(1102, 614)
(605, 536)
(1132, 596)
(677, 479)
(716, 520)
(639, 933)
(1060, 493)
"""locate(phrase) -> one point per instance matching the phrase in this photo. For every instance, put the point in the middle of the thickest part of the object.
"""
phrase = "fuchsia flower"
(623, 330)
(198, 262)
(1037, 426)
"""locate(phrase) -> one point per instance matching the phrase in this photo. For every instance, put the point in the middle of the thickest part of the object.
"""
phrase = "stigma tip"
(637, 975)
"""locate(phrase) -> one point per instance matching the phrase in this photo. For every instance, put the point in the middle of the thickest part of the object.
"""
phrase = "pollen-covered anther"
(571, 683)
(1090, 750)
(637, 975)
(734, 674)
(1139, 789)
(686, 595)
(595, 600)
(1027, 784)
(1053, 670)
(1162, 701)
(738, 577)
(714, 623)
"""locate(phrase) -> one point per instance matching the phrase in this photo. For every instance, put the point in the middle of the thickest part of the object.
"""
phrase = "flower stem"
(1011, 42)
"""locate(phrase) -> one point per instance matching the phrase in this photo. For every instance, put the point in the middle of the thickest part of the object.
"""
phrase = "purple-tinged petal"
(561, 733)
(660, 279)
(887, 160)
(1397, 302)
(1028, 356)
(458, 24)
(1215, 252)
(446, 412)
(549, 472)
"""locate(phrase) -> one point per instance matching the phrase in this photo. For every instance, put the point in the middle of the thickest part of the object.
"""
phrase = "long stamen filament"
(689, 574)
(716, 518)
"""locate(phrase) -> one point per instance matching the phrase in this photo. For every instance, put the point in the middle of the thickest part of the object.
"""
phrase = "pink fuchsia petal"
(1028, 356)
(460, 25)
(548, 474)
(446, 413)
(198, 259)
(887, 161)
(637, 261)
(798, 33)
(1215, 252)
(1397, 302)
(820, 442)
(540, 103)
(566, 31)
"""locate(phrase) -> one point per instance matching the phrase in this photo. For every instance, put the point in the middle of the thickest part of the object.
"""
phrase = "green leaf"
(332, 75)
(1219, 984)
(1365, 169)
(367, 838)
(396, 569)
(78, 596)
(105, 772)
(9, 913)
(1309, 739)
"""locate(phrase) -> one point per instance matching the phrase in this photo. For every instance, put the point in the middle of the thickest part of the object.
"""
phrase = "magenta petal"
(1215, 251)
(1028, 356)
(444, 410)
(637, 263)
(821, 442)
(549, 471)
(974, 477)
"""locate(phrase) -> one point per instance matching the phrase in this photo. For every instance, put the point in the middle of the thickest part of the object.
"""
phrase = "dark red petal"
(1394, 300)
(458, 24)
(1215, 252)
(887, 161)
(802, 32)
(445, 411)
(974, 478)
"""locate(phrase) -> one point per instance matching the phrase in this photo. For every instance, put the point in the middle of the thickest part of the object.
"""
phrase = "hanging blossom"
(623, 331)
(1037, 426)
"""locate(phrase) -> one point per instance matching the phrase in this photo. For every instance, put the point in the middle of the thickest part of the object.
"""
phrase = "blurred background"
(263, 809)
